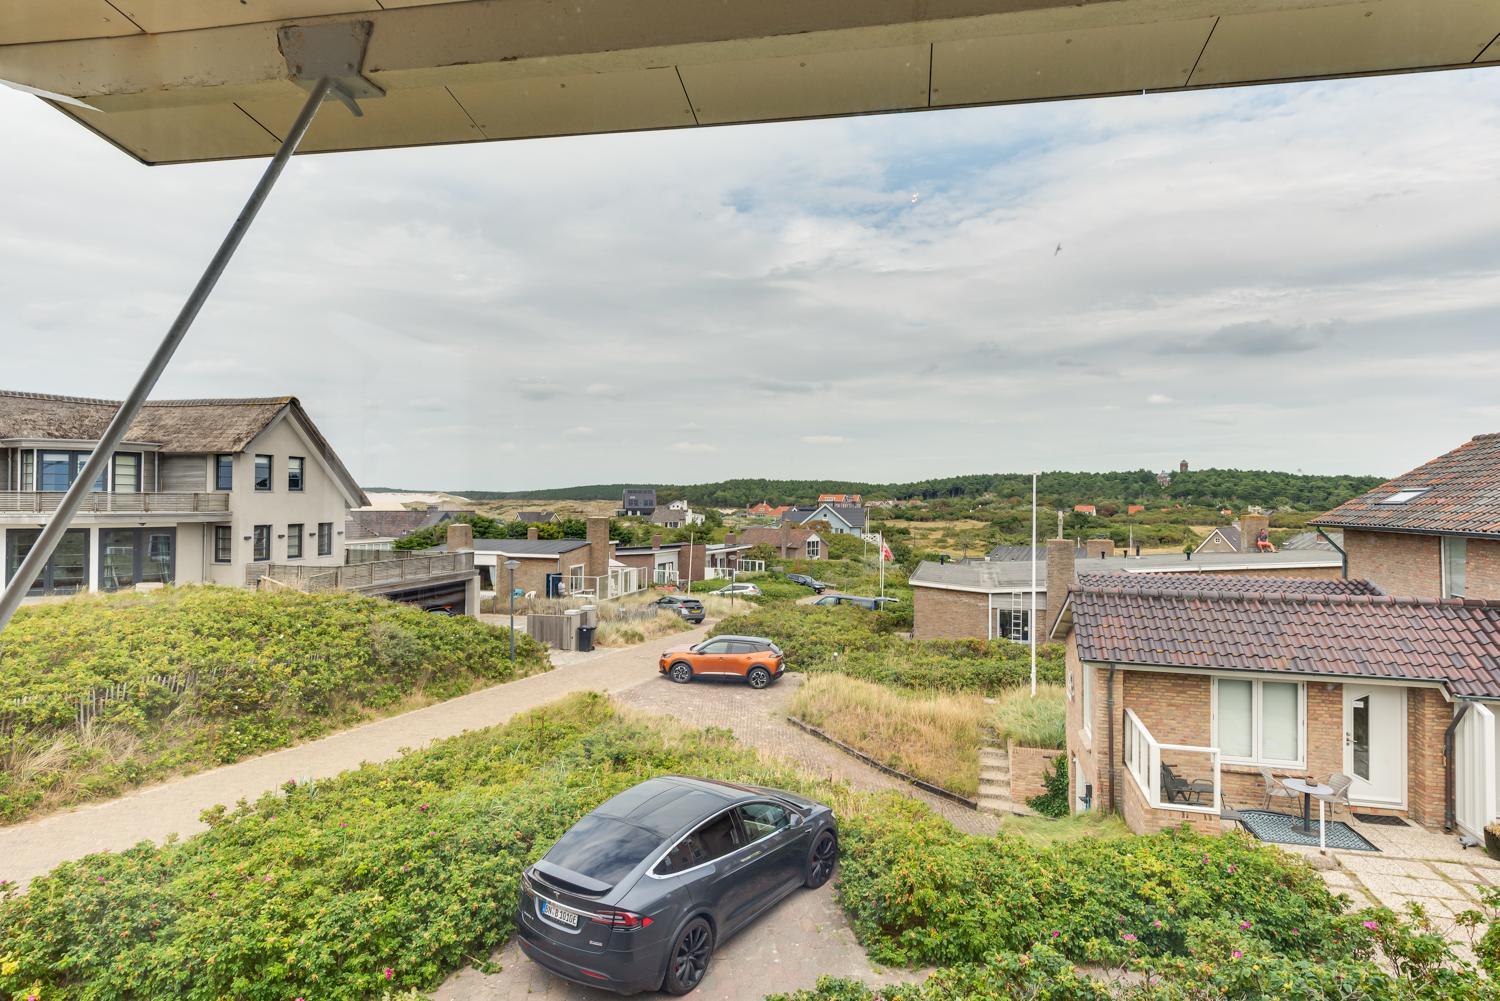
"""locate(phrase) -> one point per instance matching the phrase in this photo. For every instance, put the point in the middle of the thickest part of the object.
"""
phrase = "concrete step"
(1003, 806)
(993, 754)
(996, 775)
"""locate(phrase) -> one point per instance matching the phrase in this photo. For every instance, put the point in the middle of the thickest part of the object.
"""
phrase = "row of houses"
(1381, 664)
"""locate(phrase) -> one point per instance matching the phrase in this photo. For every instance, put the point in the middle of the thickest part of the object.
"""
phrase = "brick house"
(991, 598)
(1217, 678)
(1433, 532)
(556, 567)
(790, 542)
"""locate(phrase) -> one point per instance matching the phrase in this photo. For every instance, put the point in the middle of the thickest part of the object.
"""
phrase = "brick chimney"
(729, 538)
(532, 534)
(786, 537)
(1250, 526)
(598, 536)
(1061, 576)
(656, 541)
(460, 537)
(1098, 548)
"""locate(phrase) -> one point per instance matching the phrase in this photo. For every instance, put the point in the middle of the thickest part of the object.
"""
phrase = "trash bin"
(586, 638)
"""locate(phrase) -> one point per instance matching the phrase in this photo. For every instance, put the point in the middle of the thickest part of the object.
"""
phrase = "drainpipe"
(1109, 708)
(1450, 810)
(1342, 555)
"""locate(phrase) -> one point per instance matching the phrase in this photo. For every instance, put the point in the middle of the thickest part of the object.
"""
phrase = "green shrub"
(850, 641)
(271, 668)
(1054, 802)
(1039, 720)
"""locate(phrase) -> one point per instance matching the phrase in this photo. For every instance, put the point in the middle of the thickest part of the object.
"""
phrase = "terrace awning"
(186, 80)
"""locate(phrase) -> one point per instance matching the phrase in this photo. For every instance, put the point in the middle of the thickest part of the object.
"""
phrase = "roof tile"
(1462, 498)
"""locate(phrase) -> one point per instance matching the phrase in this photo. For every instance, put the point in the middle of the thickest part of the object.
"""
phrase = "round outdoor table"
(1308, 791)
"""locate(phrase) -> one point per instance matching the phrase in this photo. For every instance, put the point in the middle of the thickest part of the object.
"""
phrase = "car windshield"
(603, 848)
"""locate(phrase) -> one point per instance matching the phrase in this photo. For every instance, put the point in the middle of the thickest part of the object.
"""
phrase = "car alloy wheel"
(690, 957)
(822, 859)
(682, 673)
(758, 677)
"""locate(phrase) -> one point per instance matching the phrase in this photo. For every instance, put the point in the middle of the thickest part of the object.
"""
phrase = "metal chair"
(1339, 783)
(1181, 790)
(1275, 790)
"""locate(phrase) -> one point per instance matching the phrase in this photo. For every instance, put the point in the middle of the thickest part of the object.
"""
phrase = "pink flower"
(389, 973)
(1232, 867)
(342, 824)
(1156, 923)
(1237, 954)
(1370, 925)
(423, 808)
(1128, 937)
(1244, 926)
(1056, 933)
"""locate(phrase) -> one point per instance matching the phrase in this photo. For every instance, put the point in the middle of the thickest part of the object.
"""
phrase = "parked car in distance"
(871, 604)
(806, 581)
(754, 659)
(739, 590)
(690, 609)
(636, 895)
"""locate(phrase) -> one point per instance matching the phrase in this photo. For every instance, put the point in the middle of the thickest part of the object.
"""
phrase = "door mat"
(1280, 829)
(1380, 820)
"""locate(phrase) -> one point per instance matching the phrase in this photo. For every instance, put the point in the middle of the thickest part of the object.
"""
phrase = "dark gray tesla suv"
(637, 894)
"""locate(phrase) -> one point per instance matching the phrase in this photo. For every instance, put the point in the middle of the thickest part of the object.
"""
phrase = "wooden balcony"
(44, 502)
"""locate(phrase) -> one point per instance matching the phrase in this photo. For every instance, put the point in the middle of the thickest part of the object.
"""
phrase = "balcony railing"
(365, 576)
(1171, 776)
(42, 502)
(619, 582)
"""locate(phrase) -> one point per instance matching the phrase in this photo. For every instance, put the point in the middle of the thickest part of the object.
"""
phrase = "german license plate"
(561, 915)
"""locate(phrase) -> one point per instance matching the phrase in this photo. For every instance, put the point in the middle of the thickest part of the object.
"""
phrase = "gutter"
(1343, 556)
(1450, 807)
(1109, 708)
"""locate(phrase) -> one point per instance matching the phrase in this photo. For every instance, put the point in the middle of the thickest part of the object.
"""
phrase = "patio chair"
(1177, 789)
(1275, 790)
(1339, 783)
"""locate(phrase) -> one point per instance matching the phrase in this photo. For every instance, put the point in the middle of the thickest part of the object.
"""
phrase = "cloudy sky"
(1301, 277)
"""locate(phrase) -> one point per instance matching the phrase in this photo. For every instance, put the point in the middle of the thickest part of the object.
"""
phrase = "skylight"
(1402, 496)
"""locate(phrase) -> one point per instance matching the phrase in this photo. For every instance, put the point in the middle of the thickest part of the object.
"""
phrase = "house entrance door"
(1375, 744)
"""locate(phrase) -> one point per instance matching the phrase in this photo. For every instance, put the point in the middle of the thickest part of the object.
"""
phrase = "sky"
(1302, 277)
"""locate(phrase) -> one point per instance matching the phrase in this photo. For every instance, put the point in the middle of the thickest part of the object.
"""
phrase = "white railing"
(752, 566)
(362, 576)
(1144, 762)
(100, 502)
(665, 578)
(619, 582)
(1474, 780)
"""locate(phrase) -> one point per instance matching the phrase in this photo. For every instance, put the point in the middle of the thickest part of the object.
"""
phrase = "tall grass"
(1034, 722)
(933, 737)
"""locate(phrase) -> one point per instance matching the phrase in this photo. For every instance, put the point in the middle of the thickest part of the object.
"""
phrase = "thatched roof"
(175, 426)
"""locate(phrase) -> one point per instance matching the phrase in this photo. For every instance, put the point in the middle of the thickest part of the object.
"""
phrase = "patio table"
(1308, 791)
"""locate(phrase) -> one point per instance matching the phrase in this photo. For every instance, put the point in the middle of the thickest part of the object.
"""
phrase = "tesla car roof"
(666, 805)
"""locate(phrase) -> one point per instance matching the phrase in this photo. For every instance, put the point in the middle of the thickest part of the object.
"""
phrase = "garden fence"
(91, 704)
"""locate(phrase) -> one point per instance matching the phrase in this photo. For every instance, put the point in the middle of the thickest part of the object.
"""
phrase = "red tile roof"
(1463, 496)
(1454, 641)
(1226, 583)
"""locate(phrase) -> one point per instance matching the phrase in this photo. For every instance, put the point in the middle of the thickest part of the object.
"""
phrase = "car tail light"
(623, 920)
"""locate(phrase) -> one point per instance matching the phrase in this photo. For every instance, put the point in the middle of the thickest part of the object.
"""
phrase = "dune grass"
(1033, 722)
(934, 737)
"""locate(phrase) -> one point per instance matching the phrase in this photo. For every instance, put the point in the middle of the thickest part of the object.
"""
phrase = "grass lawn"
(267, 670)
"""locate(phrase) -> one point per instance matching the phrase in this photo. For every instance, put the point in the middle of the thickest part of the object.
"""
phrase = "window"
(603, 848)
(325, 538)
(714, 839)
(294, 466)
(223, 543)
(1261, 722)
(762, 819)
(263, 472)
(28, 470)
(56, 471)
(223, 472)
(1011, 624)
(1455, 566)
(814, 549)
(130, 556)
(1404, 496)
(127, 473)
(714, 647)
(65, 573)
(262, 546)
(294, 542)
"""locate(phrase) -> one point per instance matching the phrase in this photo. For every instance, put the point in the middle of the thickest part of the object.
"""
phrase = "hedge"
(271, 670)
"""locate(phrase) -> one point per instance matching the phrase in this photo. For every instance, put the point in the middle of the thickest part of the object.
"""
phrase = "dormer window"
(1404, 496)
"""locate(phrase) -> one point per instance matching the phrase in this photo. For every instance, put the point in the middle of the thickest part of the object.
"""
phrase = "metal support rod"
(52, 533)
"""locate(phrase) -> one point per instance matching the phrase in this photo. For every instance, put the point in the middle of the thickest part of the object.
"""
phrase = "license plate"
(561, 915)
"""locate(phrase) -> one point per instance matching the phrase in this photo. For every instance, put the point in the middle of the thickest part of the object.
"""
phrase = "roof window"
(1403, 496)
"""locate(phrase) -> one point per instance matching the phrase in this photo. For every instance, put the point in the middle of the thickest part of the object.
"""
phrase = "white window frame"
(813, 549)
(1086, 687)
(1445, 543)
(1257, 757)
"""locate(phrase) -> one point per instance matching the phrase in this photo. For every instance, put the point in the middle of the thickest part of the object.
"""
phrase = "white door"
(1375, 744)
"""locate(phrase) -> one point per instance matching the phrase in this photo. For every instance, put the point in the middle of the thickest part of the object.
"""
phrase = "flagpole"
(1031, 630)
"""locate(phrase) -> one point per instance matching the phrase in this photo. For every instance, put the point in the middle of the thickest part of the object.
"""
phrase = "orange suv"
(756, 660)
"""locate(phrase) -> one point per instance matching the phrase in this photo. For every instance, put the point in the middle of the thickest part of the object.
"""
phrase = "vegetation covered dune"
(390, 877)
(196, 676)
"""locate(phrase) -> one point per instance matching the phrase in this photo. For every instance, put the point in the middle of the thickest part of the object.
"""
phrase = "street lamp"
(512, 566)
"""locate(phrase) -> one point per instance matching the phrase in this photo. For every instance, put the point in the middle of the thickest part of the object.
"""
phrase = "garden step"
(997, 804)
(996, 775)
(993, 754)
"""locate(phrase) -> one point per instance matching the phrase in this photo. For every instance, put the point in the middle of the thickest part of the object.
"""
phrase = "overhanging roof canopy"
(184, 80)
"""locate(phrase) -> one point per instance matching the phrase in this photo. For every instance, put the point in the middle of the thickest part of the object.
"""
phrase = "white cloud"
(580, 431)
(694, 447)
(1156, 399)
(824, 439)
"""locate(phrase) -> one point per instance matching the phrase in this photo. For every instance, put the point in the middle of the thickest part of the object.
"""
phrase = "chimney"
(1060, 579)
(1250, 526)
(1097, 549)
(532, 534)
(729, 538)
(786, 536)
(598, 536)
(1182, 466)
(656, 541)
(460, 537)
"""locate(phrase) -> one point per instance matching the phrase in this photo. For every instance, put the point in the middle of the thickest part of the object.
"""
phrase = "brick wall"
(938, 613)
(531, 575)
(1483, 571)
(597, 558)
(1403, 565)
(1028, 770)
(1082, 748)
(1142, 818)
(1427, 717)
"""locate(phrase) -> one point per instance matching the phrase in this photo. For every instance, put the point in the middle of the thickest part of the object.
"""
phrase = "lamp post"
(511, 565)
